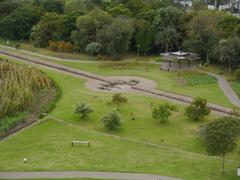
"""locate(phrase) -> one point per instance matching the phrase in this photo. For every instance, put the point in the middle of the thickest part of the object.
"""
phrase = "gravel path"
(226, 88)
(83, 174)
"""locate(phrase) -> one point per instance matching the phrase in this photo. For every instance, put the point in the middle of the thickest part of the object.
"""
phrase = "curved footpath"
(221, 110)
(83, 174)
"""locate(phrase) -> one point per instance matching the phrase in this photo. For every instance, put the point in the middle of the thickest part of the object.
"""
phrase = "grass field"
(47, 145)
(206, 87)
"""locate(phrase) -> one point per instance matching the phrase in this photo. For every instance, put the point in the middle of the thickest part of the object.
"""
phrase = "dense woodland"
(115, 27)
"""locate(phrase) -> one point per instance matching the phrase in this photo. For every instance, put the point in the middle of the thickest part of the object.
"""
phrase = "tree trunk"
(223, 161)
(208, 60)
(229, 66)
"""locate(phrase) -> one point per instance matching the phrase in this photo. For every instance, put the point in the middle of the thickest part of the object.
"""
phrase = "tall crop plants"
(18, 87)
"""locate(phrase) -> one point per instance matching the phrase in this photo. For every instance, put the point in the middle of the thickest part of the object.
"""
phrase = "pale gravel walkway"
(226, 88)
(83, 174)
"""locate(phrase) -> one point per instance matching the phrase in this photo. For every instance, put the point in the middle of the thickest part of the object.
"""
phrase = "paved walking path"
(226, 88)
(148, 91)
(83, 174)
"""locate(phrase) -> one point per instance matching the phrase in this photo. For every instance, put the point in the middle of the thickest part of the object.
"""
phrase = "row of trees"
(116, 26)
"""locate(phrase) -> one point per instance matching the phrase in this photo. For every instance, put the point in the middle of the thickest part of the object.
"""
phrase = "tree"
(112, 120)
(228, 51)
(170, 25)
(17, 25)
(93, 48)
(203, 33)
(7, 7)
(167, 38)
(199, 5)
(115, 38)
(116, 9)
(52, 26)
(56, 6)
(83, 110)
(87, 27)
(119, 99)
(163, 112)
(144, 36)
(220, 136)
(197, 109)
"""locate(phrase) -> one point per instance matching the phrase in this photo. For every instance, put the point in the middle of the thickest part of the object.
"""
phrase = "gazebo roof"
(179, 55)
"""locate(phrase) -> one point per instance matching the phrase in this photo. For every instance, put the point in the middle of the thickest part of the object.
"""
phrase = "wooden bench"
(81, 142)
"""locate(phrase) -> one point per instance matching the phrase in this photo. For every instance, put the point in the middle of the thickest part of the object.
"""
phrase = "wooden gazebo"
(179, 57)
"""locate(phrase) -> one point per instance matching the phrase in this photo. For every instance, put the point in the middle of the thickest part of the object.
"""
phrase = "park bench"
(80, 142)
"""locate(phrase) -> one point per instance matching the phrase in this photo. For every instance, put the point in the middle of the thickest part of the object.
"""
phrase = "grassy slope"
(47, 145)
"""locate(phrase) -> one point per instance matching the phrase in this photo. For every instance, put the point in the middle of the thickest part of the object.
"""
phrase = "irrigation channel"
(156, 93)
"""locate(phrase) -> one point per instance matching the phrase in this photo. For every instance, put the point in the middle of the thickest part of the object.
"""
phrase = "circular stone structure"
(118, 84)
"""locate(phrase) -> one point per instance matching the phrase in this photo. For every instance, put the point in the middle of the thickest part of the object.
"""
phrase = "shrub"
(83, 110)
(197, 109)
(162, 112)
(118, 99)
(93, 48)
(61, 46)
(112, 120)
(9, 122)
(237, 74)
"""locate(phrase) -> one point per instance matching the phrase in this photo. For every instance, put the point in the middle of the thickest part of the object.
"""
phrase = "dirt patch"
(120, 84)
(181, 82)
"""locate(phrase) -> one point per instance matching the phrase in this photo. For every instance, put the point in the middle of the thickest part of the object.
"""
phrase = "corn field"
(18, 86)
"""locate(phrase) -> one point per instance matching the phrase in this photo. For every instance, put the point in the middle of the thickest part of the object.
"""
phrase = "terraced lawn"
(48, 144)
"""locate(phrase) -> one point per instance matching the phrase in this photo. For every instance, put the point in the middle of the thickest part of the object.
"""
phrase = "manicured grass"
(192, 80)
(47, 145)
(236, 87)
(167, 81)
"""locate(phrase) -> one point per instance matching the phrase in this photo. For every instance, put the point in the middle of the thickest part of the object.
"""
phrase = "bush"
(237, 74)
(93, 48)
(197, 109)
(112, 120)
(118, 99)
(61, 46)
(8, 123)
(83, 110)
(162, 112)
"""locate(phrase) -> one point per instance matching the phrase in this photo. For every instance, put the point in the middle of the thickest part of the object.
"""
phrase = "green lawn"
(167, 81)
(47, 145)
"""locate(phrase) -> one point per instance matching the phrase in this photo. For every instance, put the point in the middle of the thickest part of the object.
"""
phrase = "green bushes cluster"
(8, 123)
(61, 46)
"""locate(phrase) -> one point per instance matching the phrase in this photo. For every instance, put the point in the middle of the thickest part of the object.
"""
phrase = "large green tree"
(203, 33)
(17, 25)
(87, 27)
(170, 26)
(220, 136)
(115, 38)
(52, 26)
(144, 36)
(228, 52)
